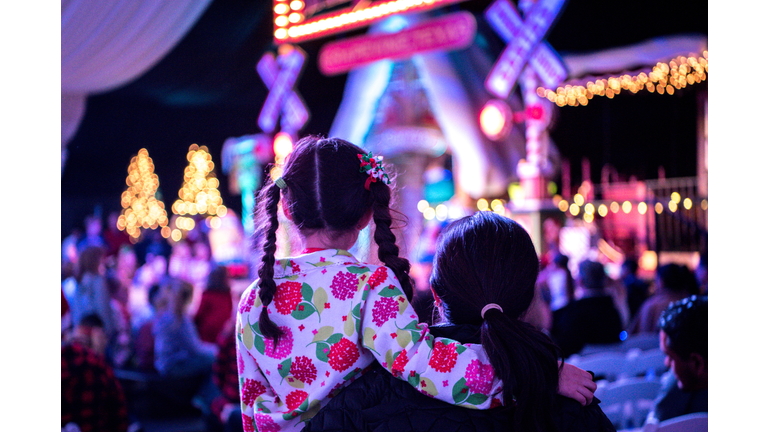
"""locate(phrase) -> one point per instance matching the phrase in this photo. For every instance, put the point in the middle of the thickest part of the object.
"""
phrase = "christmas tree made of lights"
(199, 195)
(141, 208)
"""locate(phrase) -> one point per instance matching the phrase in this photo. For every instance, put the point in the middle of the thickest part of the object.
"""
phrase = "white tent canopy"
(108, 43)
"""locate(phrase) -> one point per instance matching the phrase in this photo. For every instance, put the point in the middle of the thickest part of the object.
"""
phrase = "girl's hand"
(577, 384)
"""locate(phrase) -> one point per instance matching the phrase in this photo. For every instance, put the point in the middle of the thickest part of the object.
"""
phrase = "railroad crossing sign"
(280, 76)
(524, 44)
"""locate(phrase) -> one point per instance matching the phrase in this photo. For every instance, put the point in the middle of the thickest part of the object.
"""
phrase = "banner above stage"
(450, 32)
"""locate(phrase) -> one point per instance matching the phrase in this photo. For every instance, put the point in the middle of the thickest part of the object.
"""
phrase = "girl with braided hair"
(312, 323)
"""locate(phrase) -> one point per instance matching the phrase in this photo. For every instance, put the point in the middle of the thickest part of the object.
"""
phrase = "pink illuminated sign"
(454, 31)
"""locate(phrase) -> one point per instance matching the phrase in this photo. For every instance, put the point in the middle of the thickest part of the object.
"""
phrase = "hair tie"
(488, 307)
(373, 167)
(280, 183)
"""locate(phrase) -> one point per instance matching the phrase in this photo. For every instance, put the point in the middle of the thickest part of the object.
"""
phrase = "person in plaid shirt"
(91, 396)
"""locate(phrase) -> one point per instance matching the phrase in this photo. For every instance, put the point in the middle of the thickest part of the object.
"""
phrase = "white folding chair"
(606, 365)
(696, 422)
(641, 341)
(642, 363)
(598, 348)
(628, 401)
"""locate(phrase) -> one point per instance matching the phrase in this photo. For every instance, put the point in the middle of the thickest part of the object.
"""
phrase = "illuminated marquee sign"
(301, 20)
(453, 31)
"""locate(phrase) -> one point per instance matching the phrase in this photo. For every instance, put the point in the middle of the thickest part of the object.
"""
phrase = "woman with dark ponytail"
(483, 281)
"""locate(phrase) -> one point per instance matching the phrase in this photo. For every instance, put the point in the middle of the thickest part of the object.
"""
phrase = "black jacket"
(379, 402)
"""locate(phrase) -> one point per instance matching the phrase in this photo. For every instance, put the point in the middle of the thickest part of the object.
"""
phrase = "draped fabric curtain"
(108, 43)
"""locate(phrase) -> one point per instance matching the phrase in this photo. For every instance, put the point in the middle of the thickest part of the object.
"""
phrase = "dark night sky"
(206, 90)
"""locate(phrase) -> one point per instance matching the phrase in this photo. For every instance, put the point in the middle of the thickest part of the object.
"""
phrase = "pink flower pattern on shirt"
(479, 377)
(287, 297)
(339, 316)
(384, 309)
(344, 285)
(264, 423)
(303, 369)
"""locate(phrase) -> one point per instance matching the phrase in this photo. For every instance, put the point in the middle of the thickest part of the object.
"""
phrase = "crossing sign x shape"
(280, 76)
(525, 45)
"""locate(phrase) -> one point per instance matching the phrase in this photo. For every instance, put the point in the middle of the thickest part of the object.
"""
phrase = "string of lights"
(601, 208)
(577, 207)
(676, 74)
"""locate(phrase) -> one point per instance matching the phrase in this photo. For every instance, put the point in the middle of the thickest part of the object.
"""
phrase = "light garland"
(588, 210)
(664, 78)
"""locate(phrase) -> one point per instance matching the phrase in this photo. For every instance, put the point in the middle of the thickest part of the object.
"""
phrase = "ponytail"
(487, 258)
(389, 252)
(270, 196)
(526, 360)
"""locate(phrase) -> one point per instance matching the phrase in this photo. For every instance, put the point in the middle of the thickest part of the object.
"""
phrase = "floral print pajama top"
(339, 316)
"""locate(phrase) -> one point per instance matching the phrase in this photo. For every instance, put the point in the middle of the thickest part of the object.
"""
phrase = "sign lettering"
(454, 31)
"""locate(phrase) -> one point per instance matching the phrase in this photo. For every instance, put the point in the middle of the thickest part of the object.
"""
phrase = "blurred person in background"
(636, 288)
(673, 282)
(144, 339)
(92, 292)
(216, 305)
(114, 237)
(200, 264)
(590, 319)
(683, 338)
(125, 268)
(92, 399)
(179, 351)
(557, 282)
(120, 344)
(199, 267)
(69, 265)
(153, 272)
(93, 237)
(179, 261)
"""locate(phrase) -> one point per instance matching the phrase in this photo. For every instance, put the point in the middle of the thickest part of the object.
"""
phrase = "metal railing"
(683, 223)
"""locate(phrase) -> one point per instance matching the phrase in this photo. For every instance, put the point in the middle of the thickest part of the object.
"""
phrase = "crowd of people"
(322, 341)
(159, 310)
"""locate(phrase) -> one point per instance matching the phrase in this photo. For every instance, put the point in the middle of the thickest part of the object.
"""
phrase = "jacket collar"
(305, 262)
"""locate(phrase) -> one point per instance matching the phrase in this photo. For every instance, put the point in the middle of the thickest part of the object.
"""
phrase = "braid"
(267, 287)
(389, 253)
